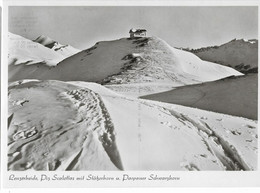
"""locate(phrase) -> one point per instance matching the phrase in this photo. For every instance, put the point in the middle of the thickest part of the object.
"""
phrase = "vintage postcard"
(129, 94)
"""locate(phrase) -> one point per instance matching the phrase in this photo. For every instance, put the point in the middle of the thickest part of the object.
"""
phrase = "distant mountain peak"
(42, 50)
(25, 51)
(46, 41)
(65, 50)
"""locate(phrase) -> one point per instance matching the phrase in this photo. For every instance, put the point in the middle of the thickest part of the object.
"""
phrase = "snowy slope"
(22, 51)
(84, 126)
(65, 50)
(234, 96)
(240, 54)
(69, 123)
(156, 61)
(131, 61)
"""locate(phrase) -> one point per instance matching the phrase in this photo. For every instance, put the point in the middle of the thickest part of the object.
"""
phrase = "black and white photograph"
(132, 88)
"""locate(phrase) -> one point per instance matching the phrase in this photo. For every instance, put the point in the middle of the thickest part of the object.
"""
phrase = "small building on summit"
(137, 33)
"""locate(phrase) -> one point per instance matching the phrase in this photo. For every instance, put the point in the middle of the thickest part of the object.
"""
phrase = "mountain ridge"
(129, 61)
(240, 54)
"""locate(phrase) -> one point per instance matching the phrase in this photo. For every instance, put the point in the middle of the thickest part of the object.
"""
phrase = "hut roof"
(137, 30)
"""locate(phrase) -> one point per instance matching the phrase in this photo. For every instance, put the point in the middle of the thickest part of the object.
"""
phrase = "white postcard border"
(186, 179)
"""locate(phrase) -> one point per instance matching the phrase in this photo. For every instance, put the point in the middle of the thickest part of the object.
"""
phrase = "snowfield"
(85, 126)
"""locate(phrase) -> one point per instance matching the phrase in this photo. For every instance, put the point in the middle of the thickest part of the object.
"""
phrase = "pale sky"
(82, 27)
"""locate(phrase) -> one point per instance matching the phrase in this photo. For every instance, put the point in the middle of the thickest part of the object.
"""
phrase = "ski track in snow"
(227, 155)
(217, 146)
(100, 124)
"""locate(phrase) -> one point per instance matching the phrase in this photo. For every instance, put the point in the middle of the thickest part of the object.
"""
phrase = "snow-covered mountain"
(234, 96)
(149, 62)
(42, 50)
(22, 51)
(65, 50)
(240, 54)
(84, 126)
